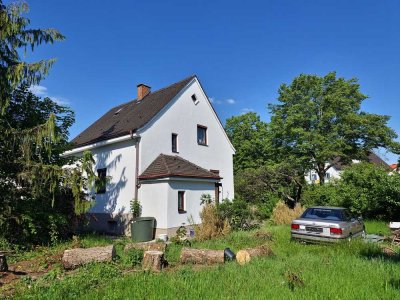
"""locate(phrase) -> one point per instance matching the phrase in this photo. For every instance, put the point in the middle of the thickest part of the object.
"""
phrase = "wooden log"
(146, 246)
(77, 257)
(245, 255)
(202, 256)
(3, 263)
(153, 260)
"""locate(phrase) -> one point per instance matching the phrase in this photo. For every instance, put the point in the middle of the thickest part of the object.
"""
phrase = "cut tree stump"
(245, 255)
(77, 257)
(202, 256)
(3, 263)
(153, 260)
(146, 246)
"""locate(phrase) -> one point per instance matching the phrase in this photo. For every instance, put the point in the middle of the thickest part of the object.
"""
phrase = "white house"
(335, 171)
(165, 148)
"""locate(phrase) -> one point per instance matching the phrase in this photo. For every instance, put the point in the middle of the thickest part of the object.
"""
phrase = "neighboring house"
(165, 148)
(394, 168)
(335, 171)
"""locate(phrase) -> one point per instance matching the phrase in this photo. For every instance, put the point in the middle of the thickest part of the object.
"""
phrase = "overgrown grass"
(345, 271)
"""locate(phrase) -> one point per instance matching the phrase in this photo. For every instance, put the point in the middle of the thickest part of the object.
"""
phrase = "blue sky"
(241, 50)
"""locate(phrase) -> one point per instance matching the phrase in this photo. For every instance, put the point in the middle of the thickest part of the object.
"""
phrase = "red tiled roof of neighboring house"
(175, 166)
(130, 116)
(393, 166)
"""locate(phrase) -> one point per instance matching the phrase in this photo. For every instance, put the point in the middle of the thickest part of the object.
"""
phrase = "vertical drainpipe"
(137, 143)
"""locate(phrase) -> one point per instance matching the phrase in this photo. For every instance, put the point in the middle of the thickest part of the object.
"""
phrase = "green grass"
(345, 271)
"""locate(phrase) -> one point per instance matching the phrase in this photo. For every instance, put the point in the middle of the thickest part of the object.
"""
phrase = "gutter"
(100, 144)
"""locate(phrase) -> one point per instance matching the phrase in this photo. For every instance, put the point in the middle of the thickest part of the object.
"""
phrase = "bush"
(283, 215)
(240, 214)
(212, 224)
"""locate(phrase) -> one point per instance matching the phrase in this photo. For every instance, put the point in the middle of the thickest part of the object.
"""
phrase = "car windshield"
(323, 213)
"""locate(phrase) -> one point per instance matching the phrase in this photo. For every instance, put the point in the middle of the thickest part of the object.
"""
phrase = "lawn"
(297, 271)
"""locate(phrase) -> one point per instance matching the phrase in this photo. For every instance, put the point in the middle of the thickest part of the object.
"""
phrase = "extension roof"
(175, 166)
(129, 117)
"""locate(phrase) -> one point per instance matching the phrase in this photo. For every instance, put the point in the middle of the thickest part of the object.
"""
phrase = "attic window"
(194, 99)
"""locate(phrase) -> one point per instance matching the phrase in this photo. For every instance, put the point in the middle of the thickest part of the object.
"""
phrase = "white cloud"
(38, 90)
(246, 110)
(212, 99)
(42, 91)
(227, 101)
(230, 101)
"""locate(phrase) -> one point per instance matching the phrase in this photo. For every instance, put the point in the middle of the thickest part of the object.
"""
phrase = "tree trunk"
(321, 174)
(245, 255)
(153, 261)
(3, 263)
(77, 257)
(146, 246)
(202, 256)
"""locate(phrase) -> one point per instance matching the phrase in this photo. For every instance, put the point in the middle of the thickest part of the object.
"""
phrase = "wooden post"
(153, 260)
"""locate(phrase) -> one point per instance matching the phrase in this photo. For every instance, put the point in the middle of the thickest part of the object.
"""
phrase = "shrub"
(283, 215)
(240, 214)
(212, 224)
(136, 208)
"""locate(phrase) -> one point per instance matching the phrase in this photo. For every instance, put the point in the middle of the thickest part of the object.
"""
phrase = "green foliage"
(364, 188)
(320, 118)
(205, 199)
(15, 36)
(239, 213)
(133, 257)
(136, 208)
(250, 137)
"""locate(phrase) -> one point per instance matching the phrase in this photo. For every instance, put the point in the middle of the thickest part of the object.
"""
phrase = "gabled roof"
(175, 166)
(130, 116)
(372, 158)
(393, 166)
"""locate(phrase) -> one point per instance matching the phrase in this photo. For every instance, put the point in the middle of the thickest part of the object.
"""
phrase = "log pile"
(153, 261)
(245, 255)
(202, 256)
(395, 237)
(146, 246)
(77, 257)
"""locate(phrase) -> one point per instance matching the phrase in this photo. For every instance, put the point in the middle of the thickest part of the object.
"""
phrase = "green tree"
(250, 137)
(14, 37)
(320, 118)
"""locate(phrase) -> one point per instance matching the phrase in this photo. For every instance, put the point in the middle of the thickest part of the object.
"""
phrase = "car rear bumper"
(319, 238)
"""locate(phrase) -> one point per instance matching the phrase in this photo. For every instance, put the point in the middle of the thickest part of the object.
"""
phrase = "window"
(201, 135)
(101, 181)
(174, 143)
(313, 177)
(327, 176)
(181, 202)
(194, 98)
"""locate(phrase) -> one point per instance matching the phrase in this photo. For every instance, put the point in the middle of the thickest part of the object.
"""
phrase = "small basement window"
(202, 135)
(174, 140)
(101, 181)
(181, 202)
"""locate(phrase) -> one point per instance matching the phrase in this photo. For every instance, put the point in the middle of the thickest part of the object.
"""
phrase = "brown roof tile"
(130, 116)
(175, 166)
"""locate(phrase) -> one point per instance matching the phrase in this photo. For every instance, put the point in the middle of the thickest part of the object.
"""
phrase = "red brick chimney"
(142, 91)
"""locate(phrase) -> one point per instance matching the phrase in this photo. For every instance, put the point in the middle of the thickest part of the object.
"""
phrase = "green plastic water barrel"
(142, 229)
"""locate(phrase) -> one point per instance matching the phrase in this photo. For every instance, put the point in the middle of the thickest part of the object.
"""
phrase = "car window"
(323, 213)
(347, 216)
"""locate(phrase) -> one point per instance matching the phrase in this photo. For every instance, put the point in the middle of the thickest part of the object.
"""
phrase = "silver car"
(327, 224)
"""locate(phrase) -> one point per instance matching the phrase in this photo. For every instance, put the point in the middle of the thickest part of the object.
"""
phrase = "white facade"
(159, 198)
(332, 173)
